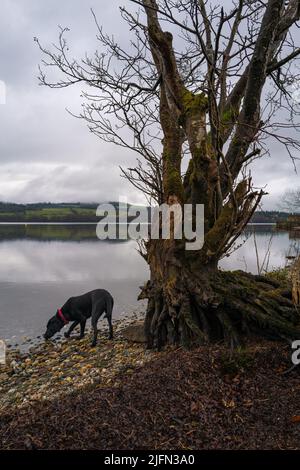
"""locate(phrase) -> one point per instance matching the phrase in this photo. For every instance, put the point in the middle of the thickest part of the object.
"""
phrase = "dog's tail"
(109, 308)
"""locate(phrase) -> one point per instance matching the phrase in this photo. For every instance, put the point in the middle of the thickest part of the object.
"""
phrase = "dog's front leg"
(82, 328)
(82, 321)
(74, 324)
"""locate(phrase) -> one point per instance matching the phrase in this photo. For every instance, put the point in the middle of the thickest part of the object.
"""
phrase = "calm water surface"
(42, 265)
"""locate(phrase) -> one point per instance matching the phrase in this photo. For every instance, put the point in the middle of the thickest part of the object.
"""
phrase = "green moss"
(216, 234)
(173, 183)
(241, 191)
(200, 152)
(192, 104)
(280, 275)
(197, 170)
(189, 171)
(246, 285)
(193, 101)
(228, 117)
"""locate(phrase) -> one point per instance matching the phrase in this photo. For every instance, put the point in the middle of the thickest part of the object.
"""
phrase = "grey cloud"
(45, 154)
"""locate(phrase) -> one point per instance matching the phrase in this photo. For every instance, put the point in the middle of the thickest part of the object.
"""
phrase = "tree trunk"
(190, 304)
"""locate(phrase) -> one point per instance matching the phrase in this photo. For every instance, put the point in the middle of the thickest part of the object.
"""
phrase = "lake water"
(42, 265)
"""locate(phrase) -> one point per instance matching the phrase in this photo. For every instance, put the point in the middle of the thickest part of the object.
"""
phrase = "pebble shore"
(50, 369)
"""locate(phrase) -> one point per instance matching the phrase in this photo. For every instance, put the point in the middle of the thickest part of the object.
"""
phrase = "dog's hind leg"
(74, 324)
(108, 315)
(95, 332)
(96, 313)
(111, 333)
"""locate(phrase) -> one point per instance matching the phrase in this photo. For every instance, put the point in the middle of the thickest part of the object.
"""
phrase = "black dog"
(79, 309)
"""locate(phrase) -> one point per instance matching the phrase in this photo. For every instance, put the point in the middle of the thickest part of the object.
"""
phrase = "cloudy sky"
(45, 154)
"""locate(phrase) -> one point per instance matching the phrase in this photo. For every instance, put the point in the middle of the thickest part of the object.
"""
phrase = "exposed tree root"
(219, 306)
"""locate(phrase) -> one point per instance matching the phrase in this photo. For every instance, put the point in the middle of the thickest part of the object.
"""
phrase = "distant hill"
(86, 212)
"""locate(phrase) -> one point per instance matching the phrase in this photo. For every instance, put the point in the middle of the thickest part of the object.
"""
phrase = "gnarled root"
(219, 306)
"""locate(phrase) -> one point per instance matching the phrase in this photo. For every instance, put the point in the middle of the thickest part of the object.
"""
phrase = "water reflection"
(262, 245)
(72, 253)
(59, 261)
(48, 232)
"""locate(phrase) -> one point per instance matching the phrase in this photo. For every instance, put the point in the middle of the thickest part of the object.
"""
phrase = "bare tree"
(200, 108)
(291, 200)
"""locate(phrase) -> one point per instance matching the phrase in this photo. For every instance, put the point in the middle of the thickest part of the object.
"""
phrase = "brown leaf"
(194, 407)
(229, 403)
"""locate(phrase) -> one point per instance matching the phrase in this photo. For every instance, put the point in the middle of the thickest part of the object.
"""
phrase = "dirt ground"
(200, 399)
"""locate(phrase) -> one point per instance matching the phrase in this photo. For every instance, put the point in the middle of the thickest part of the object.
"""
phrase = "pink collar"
(61, 316)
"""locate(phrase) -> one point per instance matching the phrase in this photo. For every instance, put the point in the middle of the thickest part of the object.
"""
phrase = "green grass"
(64, 213)
(10, 214)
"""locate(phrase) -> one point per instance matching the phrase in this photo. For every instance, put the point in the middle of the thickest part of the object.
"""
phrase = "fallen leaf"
(228, 404)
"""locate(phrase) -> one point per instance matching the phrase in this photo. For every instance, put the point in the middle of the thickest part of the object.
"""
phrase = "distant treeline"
(265, 217)
(86, 212)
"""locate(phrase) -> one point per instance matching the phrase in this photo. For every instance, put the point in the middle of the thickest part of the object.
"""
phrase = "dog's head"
(54, 325)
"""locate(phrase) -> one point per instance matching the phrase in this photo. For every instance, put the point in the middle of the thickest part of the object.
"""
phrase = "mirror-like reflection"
(42, 265)
(262, 247)
(48, 232)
